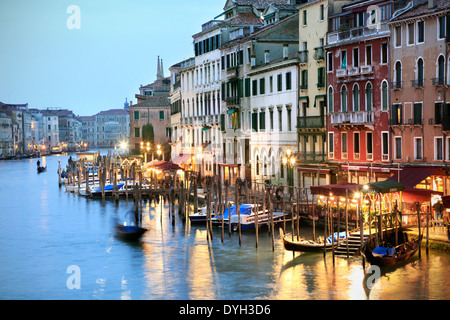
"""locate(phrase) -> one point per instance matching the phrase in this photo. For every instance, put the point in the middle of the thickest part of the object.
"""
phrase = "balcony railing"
(395, 85)
(341, 72)
(417, 83)
(303, 56)
(438, 81)
(313, 122)
(356, 33)
(311, 156)
(319, 53)
(355, 117)
(366, 69)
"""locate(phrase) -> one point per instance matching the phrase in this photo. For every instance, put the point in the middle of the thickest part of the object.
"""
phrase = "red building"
(358, 91)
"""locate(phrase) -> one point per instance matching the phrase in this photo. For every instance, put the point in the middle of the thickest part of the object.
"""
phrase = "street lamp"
(289, 162)
(158, 151)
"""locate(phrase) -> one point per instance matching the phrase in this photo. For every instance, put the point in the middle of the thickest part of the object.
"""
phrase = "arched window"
(420, 72)
(384, 95)
(368, 96)
(257, 165)
(356, 97)
(398, 75)
(344, 99)
(330, 100)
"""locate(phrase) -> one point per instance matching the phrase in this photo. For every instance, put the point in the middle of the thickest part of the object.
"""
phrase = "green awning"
(206, 128)
(386, 186)
(231, 111)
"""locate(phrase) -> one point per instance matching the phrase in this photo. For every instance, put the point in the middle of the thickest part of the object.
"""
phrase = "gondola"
(387, 256)
(304, 245)
(41, 169)
(129, 233)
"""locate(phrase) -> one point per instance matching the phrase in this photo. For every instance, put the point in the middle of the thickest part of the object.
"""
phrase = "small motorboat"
(129, 233)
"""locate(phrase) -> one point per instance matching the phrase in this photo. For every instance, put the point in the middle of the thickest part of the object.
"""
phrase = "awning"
(335, 189)
(415, 194)
(386, 186)
(314, 170)
(168, 166)
(234, 165)
(412, 176)
(182, 159)
(206, 128)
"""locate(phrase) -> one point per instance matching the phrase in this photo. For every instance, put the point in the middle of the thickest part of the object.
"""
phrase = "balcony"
(311, 156)
(417, 83)
(314, 122)
(319, 53)
(396, 85)
(354, 118)
(341, 72)
(303, 56)
(355, 34)
(366, 69)
(353, 71)
(438, 81)
(232, 101)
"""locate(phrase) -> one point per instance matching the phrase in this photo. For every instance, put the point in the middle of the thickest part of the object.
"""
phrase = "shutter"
(255, 122)
(247, 87)
(240, 88)
(222, 122)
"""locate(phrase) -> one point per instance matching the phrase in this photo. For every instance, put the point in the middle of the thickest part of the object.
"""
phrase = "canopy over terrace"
(335, 189)
(387, 186)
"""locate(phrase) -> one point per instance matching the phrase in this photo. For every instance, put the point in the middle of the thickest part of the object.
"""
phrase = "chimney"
(432, 4)
(266, 56)
(285, 51)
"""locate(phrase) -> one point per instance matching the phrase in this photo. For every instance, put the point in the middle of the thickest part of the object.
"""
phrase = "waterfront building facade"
(420, 107)
(357, 68)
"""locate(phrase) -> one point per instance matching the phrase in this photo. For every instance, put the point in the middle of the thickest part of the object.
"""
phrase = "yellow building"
(311, 120)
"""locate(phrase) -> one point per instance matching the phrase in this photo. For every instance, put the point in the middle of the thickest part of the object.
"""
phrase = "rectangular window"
(441, 28)
(322, 12)
(271, 119)
(304, 79)
(418, 148)
(262, 121)
(438, 148)
(398, 36)
(161, 115)
(398, 147)
(247, 87)
(384, 146)
(262, 86)
(136, 115)
(255, 121)
(356, 142)
(331, 143)
(438, 112)
(329, 61)
(344, 59)
(289, 122)
(410, 33)
(137, 132)
(344, 142)
(369, 142)
(288, 81)
(368, 55)
(421, 32)
(384, 52)
(279, 82)
(355, 57)
(254, 87)
(271, 84)
(304, 18)
(397, 114)
(280, 119)
(418, 113)
(321, 77)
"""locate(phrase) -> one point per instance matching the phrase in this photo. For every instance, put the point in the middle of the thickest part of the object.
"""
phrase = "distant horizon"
(92, 59)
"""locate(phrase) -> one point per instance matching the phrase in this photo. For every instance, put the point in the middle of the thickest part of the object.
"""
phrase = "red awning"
(415, 194)
(411, 176)
(168, 166)
(314, 170)
(335, 189)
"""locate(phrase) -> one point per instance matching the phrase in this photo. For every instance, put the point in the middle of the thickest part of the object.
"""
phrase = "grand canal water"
(44, 231)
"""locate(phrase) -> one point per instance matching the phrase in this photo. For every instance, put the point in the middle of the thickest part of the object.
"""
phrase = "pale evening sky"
(46, 64)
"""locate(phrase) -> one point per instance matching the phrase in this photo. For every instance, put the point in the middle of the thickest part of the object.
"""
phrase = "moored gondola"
(304, 245)
(129, 233)
(386, 255)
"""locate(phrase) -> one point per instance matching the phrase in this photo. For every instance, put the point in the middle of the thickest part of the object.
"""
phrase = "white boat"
(200, 215)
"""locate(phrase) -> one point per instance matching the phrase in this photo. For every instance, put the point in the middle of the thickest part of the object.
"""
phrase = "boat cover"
(381, 251)
(245, 209)
(342, 235)
(110, 187)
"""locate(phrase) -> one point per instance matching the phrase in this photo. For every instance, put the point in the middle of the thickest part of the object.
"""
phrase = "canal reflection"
(44, 230)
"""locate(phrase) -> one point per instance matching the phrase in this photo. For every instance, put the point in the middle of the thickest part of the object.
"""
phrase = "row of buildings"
(25, 130)
(314, 92)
